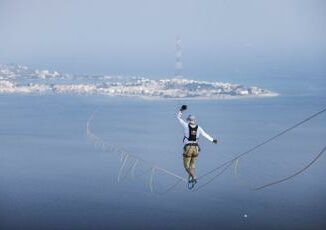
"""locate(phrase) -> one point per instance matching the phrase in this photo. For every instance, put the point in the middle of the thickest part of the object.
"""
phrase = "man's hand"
(183, 108)
(215, 141)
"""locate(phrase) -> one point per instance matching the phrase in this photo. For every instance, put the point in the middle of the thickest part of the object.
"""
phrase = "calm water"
(52, 177)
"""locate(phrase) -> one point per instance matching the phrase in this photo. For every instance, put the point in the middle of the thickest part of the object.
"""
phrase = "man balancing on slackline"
(191, 148)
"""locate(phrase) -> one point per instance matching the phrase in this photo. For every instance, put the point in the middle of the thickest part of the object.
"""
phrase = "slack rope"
(224, 166)
(294, 174)
(211, 180)
(230, 162)
(124, 156)
(122, 167)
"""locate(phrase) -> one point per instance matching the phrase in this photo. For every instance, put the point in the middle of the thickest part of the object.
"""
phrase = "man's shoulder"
(200, 128)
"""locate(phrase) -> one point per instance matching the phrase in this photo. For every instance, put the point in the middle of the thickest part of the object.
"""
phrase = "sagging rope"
(228, 163)
(226, 166)
(98, 142)
(294, 174)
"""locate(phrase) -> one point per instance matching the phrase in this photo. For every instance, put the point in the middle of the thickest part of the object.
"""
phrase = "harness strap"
(192, 144)
(186, 156)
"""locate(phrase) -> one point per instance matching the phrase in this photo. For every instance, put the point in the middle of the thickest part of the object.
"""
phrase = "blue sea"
(53, 177)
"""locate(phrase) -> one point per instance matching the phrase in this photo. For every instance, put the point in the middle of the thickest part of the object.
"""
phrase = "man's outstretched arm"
(207, 136)
(179, 116)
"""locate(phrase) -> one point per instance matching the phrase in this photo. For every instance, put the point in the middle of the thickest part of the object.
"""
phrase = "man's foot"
(191, 182)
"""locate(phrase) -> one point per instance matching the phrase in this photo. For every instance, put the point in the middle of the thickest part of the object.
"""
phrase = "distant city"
(21, 79)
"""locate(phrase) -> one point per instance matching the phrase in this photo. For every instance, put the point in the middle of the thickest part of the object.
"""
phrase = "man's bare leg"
(192, 172)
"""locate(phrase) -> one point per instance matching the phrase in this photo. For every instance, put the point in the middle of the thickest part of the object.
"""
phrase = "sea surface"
(53, 177)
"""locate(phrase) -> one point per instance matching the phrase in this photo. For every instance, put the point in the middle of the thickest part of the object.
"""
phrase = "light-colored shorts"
(189, 156)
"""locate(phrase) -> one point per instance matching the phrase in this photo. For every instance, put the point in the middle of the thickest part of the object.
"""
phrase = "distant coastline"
(23, 80)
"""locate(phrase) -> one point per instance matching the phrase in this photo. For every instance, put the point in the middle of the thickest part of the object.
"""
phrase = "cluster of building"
(20, 79)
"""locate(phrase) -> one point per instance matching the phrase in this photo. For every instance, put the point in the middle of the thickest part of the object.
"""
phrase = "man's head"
(191, 119)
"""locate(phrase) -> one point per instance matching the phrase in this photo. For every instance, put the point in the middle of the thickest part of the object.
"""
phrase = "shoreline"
(144, 97)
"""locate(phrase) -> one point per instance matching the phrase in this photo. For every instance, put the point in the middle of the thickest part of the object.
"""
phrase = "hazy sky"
(138, 36)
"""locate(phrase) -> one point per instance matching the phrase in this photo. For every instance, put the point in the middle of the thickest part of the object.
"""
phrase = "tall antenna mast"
(178, 55)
